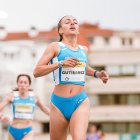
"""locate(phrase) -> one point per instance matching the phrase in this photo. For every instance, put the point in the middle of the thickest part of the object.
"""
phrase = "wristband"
(60, 64)
(95, 74)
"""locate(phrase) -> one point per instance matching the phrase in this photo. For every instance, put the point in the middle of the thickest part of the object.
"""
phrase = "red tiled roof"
(86, 30)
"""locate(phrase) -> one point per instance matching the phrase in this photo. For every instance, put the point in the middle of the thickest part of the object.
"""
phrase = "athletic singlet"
(70, 75)
(23, 108)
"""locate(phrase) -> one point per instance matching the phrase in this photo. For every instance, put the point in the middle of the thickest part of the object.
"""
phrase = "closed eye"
(67, 22)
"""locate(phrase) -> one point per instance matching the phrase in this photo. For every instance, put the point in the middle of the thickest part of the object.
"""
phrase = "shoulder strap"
(81, 47)
(61, 44)
(31, 94)
(16, 94)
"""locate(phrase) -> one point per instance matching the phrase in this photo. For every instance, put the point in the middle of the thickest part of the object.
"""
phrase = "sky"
(45, 14)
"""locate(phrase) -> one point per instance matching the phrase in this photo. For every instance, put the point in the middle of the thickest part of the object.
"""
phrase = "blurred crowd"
(95, 132)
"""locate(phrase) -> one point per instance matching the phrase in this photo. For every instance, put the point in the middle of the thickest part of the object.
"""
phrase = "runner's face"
(69, 25)
(23, 84)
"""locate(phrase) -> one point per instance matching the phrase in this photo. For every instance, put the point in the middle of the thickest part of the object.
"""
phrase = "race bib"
(24, 111)
(76, 74)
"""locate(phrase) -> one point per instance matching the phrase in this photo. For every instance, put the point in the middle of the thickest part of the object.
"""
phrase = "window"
(121, 127)
(122, 70)
(115, 99)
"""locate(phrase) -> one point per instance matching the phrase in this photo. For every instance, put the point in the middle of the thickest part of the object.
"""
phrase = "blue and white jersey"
(23, 108)
(70, 75)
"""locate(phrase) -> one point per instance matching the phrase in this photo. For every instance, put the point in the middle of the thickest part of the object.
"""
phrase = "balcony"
(122, 85)
(108, 56)
(115, 114)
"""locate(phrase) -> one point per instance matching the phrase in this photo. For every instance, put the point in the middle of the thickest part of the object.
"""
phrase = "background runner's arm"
(5, 102)
(43, 107)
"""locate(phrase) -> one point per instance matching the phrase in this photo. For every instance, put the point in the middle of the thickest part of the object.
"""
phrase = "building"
(115, 105)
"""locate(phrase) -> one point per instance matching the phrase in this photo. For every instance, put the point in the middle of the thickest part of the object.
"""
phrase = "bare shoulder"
(54, 46)
(36, 98)
(9, 97)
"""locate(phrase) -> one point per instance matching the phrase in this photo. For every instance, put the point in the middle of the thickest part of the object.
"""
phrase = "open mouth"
(72, 28)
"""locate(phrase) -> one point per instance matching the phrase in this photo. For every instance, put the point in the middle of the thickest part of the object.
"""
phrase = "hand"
(71, 62)
(4, 119)
(103, 76)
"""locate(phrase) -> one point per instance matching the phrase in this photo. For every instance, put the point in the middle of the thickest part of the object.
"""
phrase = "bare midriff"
(68, 90)
(18, 123)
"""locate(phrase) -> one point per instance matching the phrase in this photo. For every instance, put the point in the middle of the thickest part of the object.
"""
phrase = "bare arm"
(7, 100)
(43, 68)
(43, 107)
(103, 75)
(99, 74)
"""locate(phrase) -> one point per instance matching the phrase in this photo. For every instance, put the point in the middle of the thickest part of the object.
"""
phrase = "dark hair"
(28, 77)
(97, 126)
(59, 26)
